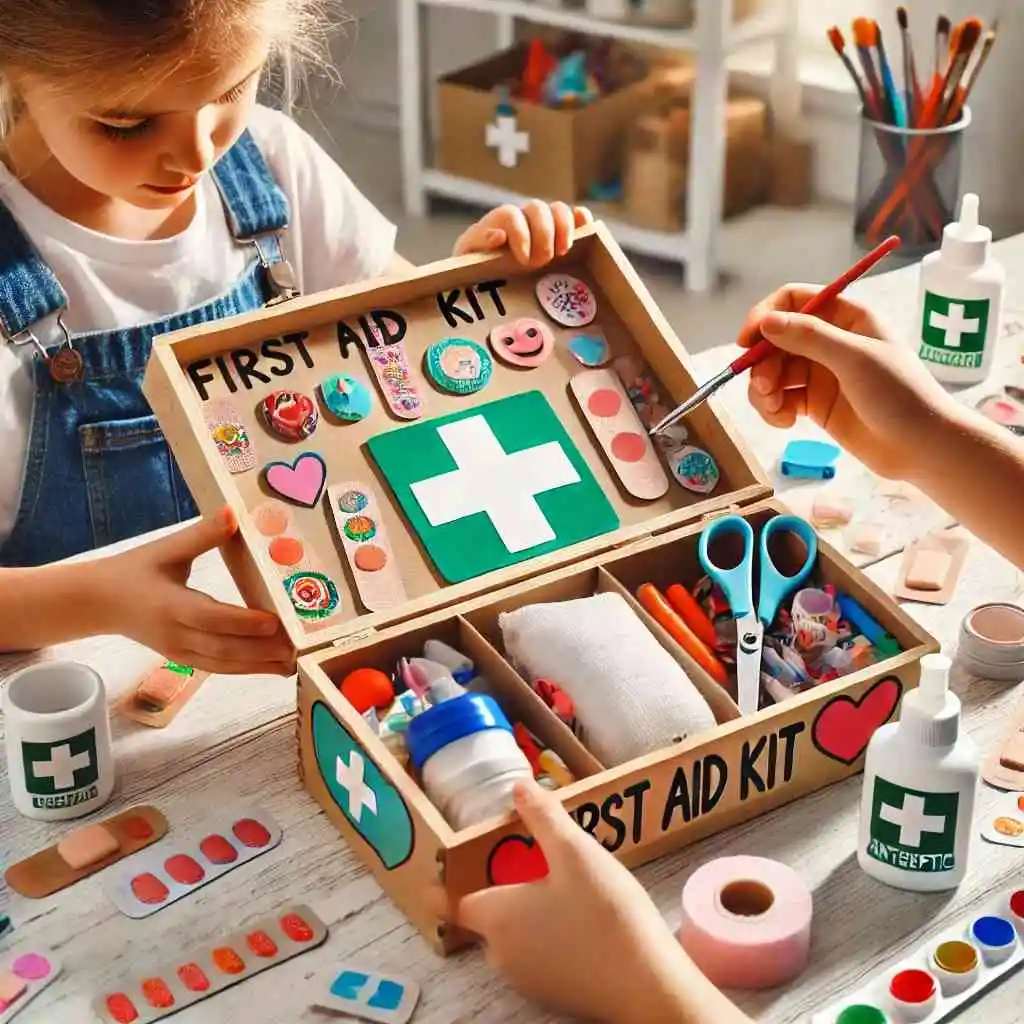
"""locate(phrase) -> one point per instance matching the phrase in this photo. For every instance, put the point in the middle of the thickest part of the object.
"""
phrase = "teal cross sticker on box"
(492, 486)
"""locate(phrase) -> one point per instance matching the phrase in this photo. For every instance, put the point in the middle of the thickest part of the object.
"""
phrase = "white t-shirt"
(335, 236)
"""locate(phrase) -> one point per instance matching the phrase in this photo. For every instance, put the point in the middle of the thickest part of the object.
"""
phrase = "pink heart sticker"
(301, 482)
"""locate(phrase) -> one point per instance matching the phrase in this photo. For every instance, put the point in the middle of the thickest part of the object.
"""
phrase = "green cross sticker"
(953, 331)
(911, 829)
(492, 486)
(62, 767)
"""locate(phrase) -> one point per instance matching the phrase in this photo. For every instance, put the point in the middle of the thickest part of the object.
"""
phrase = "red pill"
(296, 928)
(136, 828)
(121, 1008)
(218, 850)
(261, 943)
(157, 993)
(251, 833)
(148, 888)
(184, 869)
(193, 977)
(227, 960)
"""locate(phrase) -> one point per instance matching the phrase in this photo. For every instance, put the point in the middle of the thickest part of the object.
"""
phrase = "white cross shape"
(501, 484)
(912, 820)
(504, 136)
(62, 766)
(953, 325)
(350, 778)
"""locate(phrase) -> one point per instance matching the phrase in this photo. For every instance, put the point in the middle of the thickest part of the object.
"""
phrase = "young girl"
(142, 190)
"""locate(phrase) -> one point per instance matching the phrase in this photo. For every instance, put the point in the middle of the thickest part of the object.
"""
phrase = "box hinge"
(353, 639)
(729, 510)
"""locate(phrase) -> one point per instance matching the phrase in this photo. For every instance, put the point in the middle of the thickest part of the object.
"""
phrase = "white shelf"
(763, 26)
(666, 245)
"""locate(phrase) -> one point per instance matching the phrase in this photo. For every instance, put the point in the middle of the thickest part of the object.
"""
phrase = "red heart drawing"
(844, 726)
(516, 859)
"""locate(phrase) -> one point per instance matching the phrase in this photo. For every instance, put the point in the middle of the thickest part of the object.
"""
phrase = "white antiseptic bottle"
(920, 780)
(961, 300)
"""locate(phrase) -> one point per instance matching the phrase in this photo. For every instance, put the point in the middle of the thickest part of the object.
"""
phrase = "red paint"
(844, 727)
(261, 943)
(1017, 902)
(227, 960)
(121, 1008)
(148, 888)
(604, 403)
(296, 928)
(218, 850)
(184, 869)
(193, 977)
(136, 828)
(913, 987)
(157, 993)
(516, 859)
(251, 833)
(628, 447)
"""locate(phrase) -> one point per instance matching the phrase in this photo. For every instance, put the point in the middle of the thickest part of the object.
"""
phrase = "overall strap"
(29, 291)
(253, 200)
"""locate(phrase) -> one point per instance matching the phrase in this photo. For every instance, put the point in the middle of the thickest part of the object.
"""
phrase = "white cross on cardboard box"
(912, 820)
(350, 778)
(503, 135)
(953, 324)
(61, 767)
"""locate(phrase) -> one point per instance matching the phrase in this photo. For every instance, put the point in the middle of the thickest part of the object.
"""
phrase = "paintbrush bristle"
(970, 34)
(954, 38)
(902, 18)
(865, 32)
(835, 37)
(943, 25)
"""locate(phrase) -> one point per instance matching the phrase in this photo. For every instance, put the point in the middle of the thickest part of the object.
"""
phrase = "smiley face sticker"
(525, 342)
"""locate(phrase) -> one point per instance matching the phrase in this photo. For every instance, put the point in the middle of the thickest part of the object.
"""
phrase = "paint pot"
(995, 937)
(992, 642)
(467, 758)
(1017, 910)
(862, 1014)
(914, 994)
(955, 964)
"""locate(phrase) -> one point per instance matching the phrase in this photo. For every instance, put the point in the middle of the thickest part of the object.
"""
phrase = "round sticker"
(346, 397)
(567, 300)
(694, 469)
(524, 342)
(313, 595)
(289, 414)
(459, 365)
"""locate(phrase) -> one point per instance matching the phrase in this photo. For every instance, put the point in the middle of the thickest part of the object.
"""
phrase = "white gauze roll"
(631, 696)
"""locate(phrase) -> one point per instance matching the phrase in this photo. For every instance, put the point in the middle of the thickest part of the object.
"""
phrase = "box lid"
(297, 344)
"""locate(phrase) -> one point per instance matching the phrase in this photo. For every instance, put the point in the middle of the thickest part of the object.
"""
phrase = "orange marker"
(662, 612)
(692, 614)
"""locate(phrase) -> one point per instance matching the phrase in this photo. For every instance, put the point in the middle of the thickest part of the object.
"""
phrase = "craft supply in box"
(366, 995)
(809, 459)
(161, 693)
(992, 642)
(631, 696)
(1004, 765)
(22, 978)
(85, 851)
(951, 969)
(1005, 824)
(931, 568)
(656, 605)
(746, 922)
(165, 873)
(203, 972)
(609, 413)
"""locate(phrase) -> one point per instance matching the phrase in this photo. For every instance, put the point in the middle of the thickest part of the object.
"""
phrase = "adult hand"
(535, 233)
(147, 598)
(849, 374)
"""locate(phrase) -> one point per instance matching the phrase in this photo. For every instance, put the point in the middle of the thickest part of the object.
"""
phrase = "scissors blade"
(749, 640)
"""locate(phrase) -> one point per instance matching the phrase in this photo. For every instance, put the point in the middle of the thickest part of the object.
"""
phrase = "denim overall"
(99, 469)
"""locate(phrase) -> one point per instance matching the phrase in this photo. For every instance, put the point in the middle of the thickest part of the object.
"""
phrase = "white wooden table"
(236, 742)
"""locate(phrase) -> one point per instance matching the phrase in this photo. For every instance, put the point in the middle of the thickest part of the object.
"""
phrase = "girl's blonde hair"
(96, 46)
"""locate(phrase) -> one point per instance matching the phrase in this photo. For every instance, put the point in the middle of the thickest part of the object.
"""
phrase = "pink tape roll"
(747, 922)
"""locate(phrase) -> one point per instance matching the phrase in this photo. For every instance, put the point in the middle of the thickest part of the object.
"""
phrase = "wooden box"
(639, 810)
(566, 151)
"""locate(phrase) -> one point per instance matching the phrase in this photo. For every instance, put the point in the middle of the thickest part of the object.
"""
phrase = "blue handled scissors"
(738, 586)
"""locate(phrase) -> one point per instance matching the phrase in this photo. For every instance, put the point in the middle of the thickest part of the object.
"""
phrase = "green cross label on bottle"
(64, 773)
(912, 830)
(953, 331)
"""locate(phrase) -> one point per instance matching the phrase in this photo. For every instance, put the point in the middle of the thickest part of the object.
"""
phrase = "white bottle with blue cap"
(920, 780)
(961, 301)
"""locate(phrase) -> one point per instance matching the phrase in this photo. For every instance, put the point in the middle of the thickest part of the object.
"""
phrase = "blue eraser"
(811, 453)
(857, 617)
(799, 469)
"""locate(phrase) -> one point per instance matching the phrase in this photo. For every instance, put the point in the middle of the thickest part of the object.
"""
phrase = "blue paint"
(349, 984)
(589, 349)
(388, 996)
(994, 932)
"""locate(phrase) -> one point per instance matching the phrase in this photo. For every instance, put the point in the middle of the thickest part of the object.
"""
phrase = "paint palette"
(367, 996)
(22, 978)
(155, 879)
(205, 972)
(1005, 825)
(950, 971)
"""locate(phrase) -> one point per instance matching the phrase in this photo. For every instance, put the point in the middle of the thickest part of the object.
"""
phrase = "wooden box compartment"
(641, 809)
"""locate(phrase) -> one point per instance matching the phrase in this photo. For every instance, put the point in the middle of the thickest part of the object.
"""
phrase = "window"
(817, 16)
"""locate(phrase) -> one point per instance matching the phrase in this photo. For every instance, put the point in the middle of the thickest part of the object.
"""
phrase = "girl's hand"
(147, 599)
(536, 233)
(586, 940)
(849, 374)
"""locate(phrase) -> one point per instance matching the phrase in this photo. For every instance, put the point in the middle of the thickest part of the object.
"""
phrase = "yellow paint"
(956, 957)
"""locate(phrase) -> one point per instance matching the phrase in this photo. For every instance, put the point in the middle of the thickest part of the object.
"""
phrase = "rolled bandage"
(747, 922)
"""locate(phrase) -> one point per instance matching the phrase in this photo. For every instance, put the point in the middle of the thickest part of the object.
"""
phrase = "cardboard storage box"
(639, 810)
(566, 150)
